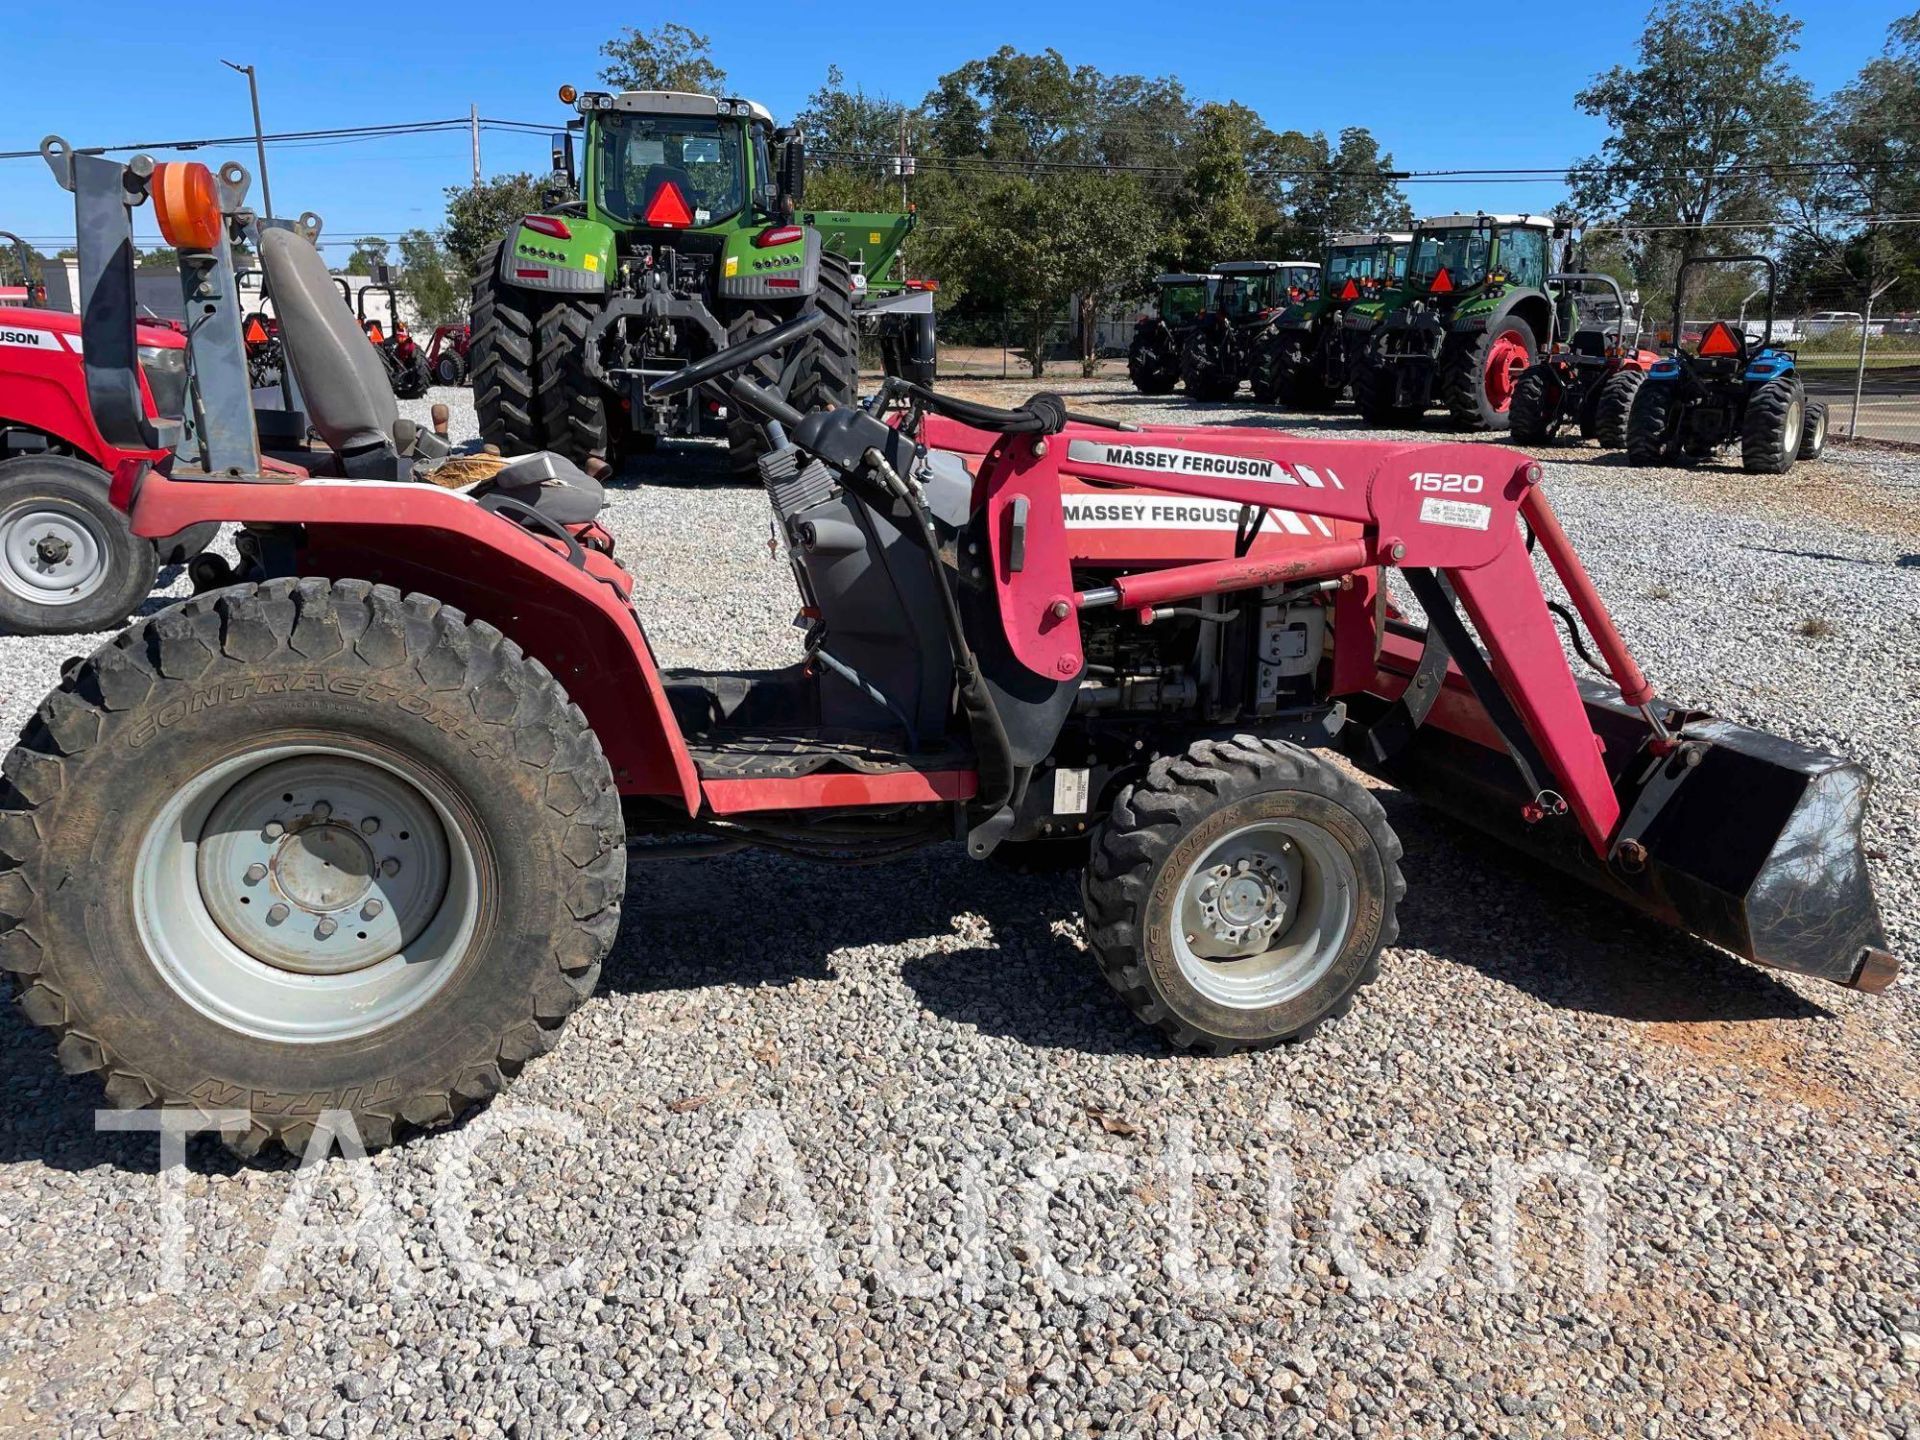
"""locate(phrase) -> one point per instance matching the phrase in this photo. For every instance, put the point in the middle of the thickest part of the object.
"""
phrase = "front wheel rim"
(1507, 361)
(52, 553)
(306, 893)
(1263, 913)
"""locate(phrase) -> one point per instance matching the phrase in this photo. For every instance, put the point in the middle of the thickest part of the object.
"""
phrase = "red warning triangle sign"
(1350, 291)
(1719, 341)
(256, 332)
(1442, 282)
(668, 208)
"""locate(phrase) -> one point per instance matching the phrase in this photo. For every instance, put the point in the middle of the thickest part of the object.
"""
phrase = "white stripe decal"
(1311, 476)
(1291, 522)
(1335, 479)
(1321, 526)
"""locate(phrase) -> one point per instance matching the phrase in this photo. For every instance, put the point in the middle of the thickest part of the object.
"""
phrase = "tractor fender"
(581, 262)
(1529, 306)
(778, 272)
(569, 611)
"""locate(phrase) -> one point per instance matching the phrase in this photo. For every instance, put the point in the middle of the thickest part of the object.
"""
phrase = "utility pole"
(1860, 374)
(259, 137)
(473, 126)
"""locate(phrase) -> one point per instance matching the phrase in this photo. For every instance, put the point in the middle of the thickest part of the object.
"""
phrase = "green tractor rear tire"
(829, 373)
(1373, 393)
(575, 410)
(1152, 370)
(1206, 367)
(503, 361)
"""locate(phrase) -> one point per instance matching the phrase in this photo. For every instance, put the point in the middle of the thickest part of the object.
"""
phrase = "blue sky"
(1317, 66)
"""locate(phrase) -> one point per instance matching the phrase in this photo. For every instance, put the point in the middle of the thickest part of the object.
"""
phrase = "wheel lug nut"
(326, 927)
(321, 809)
(370, 825)
(256, 872)
(371, 910)
(274, 830)
(390, 866)
(277, 914)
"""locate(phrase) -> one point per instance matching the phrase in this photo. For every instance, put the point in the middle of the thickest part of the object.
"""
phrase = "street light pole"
(259, 137)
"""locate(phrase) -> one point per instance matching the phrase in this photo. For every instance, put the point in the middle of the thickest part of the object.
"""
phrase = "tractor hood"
(31, 329)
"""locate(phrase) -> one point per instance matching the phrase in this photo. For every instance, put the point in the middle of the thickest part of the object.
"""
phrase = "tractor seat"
(550, 484)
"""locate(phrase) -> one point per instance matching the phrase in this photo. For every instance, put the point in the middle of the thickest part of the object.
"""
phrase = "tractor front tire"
(1478, 376)
(1534, 399)
(450, 369)
(1649, 425)
(69, 565)
(1239, 894)
(410, 378)
(346, 851)
(1373, 394)
(1775, 423)
(1206, 368)
(1813, 434)
(503, 361)
(1614, 407)
(576, 412)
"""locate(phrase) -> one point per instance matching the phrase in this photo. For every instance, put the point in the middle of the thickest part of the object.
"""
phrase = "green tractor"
(1153, 359)
(1470, 316)
(688, 236)
(1250, 293)
(1306, 360)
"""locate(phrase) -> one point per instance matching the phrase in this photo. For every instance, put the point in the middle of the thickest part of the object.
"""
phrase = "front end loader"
(355, 828)
(1471, 315)
(1306, 359)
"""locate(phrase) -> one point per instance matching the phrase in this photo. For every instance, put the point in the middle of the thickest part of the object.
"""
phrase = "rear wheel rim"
(1507, 361)
(1796, 423)
(53, 553)
(306, 893)
(1263, 913)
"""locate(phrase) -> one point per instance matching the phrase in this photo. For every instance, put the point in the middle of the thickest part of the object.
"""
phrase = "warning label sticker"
(1460, 514)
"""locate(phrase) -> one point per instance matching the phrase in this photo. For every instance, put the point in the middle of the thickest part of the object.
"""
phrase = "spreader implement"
(355, 828)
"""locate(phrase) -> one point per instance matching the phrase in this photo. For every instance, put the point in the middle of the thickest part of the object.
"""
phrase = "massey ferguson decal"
(1187, 462)
(1172, 512)
(29, 339)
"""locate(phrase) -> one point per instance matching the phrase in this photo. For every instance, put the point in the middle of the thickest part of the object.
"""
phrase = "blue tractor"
(1726, 391)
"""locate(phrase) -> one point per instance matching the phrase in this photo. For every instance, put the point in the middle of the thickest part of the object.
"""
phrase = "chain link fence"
(1002, 346)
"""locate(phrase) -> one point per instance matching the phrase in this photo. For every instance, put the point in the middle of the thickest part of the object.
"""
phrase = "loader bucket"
(1755, 846)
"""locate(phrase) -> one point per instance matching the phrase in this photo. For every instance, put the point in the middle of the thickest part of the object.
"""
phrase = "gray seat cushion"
(343, 383)
(548, 483)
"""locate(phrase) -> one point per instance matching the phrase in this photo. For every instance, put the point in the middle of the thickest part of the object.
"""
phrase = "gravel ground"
(772, 1039)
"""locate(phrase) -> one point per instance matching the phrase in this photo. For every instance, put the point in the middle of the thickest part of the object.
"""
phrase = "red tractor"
(406, 362)
(1591, 379)
(447, 353)
(354, 829)
(68, 562)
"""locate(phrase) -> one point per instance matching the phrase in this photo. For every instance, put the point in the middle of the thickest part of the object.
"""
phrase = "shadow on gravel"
(679, 465)
(1905, 561)
(1474, 902)
(757, 920)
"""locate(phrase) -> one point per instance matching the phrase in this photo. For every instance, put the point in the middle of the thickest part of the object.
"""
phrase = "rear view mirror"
(793, 169)
(563, 156)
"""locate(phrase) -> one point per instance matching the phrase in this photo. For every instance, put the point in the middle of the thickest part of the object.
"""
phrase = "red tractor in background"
(447, 353)
(69, 564)
(406, 362)
(1588, 380)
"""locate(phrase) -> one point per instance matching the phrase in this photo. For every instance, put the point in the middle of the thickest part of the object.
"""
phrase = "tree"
(369, 254)
(667, 57)
(849, 134)
(424, 278)
(1220, 211)
(1702, 126)
(478, 215)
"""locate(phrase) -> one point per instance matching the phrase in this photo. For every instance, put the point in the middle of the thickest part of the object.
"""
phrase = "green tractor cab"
(1306, 358)
(1251, 294)
(1153, 359)
(1469, 318)
(689, 235)
(1730, 389)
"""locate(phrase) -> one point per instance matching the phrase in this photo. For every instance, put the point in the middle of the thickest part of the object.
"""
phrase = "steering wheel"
(735, 357)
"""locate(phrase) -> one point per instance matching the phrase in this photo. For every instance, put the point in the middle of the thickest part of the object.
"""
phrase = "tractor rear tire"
(410, 378)
(1270, 356)
(1477, 377)
(1649, 423)
(1775, 423)
(1152, 370)
(1240, 894)
(1372, 393)
(1615, 405)
(1813, 434)
(1206, 368)
(394, 935)
(502, 359)
(575, 409)
(1533, 399)
(829, 375)
(69, 565)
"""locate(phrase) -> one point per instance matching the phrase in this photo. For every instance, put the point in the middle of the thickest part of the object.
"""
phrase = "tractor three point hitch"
(356, 828)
